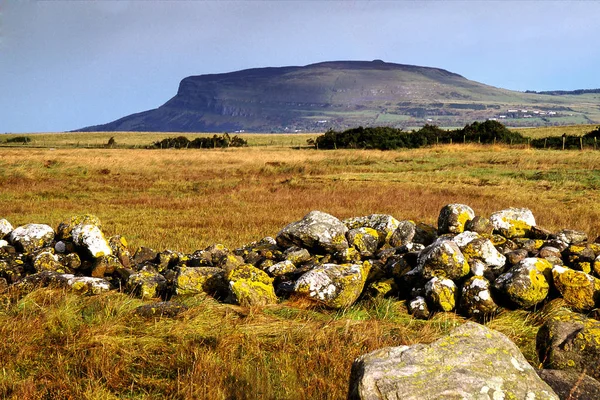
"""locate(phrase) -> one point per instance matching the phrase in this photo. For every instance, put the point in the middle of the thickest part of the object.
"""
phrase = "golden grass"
(58, 345)
(548, 131)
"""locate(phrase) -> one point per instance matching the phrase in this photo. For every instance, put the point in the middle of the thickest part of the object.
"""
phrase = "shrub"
(19, 139)
(181, 142)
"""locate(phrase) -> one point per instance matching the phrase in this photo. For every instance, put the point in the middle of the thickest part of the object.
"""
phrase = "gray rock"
(196, 280)
(91, 238)
(513, 222)
(570, 236)
(317, 231)
(334, 285)
(5, 228)
(472, 362)
(570, 341)
(31, 237)
(365, 240)
(525, 284)
(417, 307)
(443, 258)
(453, 217)
(384, 224)
(476, 300)
(481, 255)
(281, 268)
(480, 225)
(146, 284)
(570, 385)
(441, 293)
(579, 290)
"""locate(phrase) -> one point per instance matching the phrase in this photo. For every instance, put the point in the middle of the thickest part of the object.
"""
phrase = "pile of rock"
(469, 263)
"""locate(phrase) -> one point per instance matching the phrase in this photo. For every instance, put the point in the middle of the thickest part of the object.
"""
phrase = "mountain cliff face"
(319, 96)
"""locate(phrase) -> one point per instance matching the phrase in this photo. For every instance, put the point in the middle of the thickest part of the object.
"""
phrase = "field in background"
(145, 139)
(58, 345)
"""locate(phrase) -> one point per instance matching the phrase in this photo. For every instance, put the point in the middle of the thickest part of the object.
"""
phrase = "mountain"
(341, 94)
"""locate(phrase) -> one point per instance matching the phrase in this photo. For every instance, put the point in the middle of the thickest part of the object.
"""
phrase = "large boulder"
(336, 285)
(250, 286)
(317, 231)
(384, 224)
(91, 238)
(30, 237)
(365, 240)
(571, 385)
(443, 259)
(472, 362)
(525, 284)
(453, 217)
(580, 290)
(570, 341)
(513, 222)
(146, 284)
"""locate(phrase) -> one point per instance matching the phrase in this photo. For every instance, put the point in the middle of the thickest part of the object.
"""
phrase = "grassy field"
(57, 345)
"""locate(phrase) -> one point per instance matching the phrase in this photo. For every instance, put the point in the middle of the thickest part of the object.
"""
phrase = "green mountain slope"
(343, 94)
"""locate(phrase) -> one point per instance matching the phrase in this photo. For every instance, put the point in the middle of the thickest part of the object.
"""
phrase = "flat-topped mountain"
(342, 94)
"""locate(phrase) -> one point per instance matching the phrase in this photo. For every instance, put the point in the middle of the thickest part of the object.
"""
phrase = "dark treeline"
(181, 142)
(488, 132)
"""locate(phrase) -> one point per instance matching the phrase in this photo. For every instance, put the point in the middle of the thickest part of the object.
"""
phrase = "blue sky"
(69, 64)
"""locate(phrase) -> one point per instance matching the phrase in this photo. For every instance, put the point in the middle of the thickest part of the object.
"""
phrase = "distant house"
(513, 111)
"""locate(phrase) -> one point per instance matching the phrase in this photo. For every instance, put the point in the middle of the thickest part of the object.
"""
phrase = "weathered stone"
(476, 300)
(580, 290)
(85, 285)
(46, 261)
(146, 284)
(119, 247)
(531, 246)
(383, 288)
(410, 232)
(481, 255)
(105, 265)
(472, 362)
(516, 256)
(570, 236)
(453, 217)
(580, 258)
(337, 286)
(347, 256)
(144, 254)
(513, 222)
(365, 240)
(538, 232)
(30, 237)
(12, 269)
(281, 268)
(441, 294)
(3, 243)
(196, 280)
(64, 230)
(571, 385)
(297, 255)
(480, 225)
(71, 261)
(417, 307)
(161, 309)
(525, 284)
(385, 225)
(549, 251)
(317, 231)
(91, 238)
(444, 259)
(464, 238)
(5, 228)
(230, 262)
(251, 287)
(570, 341)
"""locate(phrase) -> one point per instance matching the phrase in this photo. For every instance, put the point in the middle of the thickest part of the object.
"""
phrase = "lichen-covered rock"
(441, 293)
(31, 237)
(146, 284)
(444, 259)
(472, 362)
(418, 308)
(91, 238)
(144, 254)
(453, 217)
(580, 290)
(72, 261)
(196, 280)
(464, 238)
(525, 284)
(513, 222)
(250, 286)
(297, 255)
(570, 341)
(118, 245)
(281, 268)
(385, 225)
(5, 228)
(161, 309)
(481, 255)
(365, 240)
(480, 225)
(12, 269)
(105, 265)
(317, 231)
(46, 261)
(346, 256)
(581, 258)
(410, 232)
(571, 385)
(3, 243)
(335, 285)
(549, 251)
(63, 232)
(516, 256)
(570, 236)
(383, 288)
(476, 300)
(86, 285)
